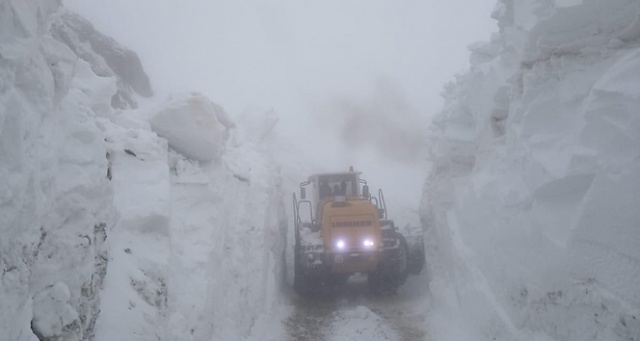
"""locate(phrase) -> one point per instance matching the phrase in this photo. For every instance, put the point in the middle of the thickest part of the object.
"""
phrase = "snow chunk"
(52, 316)
(310, 238)
(194, 126)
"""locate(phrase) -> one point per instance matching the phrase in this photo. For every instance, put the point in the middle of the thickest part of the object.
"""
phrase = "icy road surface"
(351, 312)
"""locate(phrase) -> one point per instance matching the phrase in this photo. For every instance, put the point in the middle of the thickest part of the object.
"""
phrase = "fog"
(353, 82)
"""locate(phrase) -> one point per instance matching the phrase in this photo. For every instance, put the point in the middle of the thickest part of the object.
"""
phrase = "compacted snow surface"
(351, 312)
(125, 218)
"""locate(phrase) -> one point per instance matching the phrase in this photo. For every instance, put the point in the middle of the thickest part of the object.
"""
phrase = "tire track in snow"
(406, 324)
(327, 316)
(310, 319)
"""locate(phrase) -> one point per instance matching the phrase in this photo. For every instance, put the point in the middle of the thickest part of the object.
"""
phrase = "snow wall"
(106, 231)
(532, 204)
(56, 201)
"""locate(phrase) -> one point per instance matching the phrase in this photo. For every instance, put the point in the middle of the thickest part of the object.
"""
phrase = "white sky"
(315, 63)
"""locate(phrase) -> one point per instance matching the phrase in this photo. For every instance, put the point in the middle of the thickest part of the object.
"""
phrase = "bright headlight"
(368, 243)
(340, 244)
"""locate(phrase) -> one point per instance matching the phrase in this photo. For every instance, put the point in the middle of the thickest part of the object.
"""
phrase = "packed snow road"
(352, 312)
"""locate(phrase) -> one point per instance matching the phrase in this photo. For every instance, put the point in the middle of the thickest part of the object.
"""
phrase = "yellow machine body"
(350, 229)
(341, 229)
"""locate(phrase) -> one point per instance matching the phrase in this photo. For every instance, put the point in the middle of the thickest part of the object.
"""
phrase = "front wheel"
(401, 270)
(394, 272)
(301, 282)
(417, 257)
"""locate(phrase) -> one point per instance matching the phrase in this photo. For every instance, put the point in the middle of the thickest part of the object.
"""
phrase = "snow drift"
(109, 231)
(532, 201)
(55, 205)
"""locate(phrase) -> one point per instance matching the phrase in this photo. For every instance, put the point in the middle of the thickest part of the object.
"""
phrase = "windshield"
(339, 184)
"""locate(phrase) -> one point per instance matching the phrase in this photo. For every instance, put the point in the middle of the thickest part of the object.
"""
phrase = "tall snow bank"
(228, 261)
(135, 290)
(105, 232)
(229, 230)
(194, 126)
(532, 202)
(55, 198)
(198, 252)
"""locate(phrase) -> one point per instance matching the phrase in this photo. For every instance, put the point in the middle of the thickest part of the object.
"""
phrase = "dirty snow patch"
(359, 323)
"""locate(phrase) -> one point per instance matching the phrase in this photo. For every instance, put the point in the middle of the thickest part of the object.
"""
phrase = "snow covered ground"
(351, 312)
(131, 219)
(134, 219)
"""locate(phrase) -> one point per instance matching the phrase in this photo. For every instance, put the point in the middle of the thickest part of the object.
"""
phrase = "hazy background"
(354, 82)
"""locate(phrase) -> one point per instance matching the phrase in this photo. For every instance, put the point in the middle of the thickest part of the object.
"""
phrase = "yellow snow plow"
(340, 230)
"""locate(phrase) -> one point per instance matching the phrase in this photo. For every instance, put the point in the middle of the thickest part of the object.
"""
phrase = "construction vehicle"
(340, 230)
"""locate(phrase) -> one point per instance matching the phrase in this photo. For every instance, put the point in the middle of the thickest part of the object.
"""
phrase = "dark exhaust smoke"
(385, 122)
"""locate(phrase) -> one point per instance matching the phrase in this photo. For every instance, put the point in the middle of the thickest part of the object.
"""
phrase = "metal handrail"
(383, 203)
(296, 218)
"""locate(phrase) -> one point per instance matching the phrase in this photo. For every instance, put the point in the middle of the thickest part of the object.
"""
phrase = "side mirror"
(365, 191)
(303, 193)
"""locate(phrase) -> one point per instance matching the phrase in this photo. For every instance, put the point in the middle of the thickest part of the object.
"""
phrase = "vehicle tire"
(390, 276)
(400, 271)
(299, 280)
(301, 283)
(417, 258)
